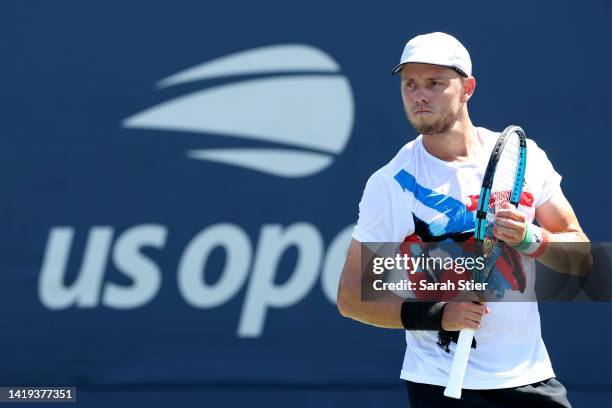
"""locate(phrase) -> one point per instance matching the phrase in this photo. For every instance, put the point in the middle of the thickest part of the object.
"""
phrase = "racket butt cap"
(450, 393)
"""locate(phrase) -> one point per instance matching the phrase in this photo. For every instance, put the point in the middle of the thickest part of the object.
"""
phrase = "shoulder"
(533, 150)
(487, 133)
(537, 158)
(402, 160)
(532, 147)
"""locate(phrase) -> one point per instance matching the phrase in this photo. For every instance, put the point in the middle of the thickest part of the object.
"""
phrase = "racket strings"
(501, 189)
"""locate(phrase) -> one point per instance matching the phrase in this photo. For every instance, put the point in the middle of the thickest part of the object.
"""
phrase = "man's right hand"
(461, 315)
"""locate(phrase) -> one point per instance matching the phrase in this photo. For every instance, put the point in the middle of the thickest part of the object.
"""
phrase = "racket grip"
(462, 353)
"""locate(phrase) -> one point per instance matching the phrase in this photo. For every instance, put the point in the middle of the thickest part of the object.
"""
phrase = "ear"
(469, 85)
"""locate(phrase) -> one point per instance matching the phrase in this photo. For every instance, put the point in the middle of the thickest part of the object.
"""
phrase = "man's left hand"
(509, 225)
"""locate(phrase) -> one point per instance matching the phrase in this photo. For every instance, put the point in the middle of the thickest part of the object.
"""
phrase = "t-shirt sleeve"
(374, 223)
(549, 179)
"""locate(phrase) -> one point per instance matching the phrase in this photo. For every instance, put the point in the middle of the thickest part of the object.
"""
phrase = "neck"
(459, 144)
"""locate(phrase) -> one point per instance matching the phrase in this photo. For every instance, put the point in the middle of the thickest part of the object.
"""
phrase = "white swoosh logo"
(302, 111)
(264, 60)
(279, 162)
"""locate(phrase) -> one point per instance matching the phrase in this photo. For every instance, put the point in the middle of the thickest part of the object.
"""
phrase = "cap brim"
(399, 67)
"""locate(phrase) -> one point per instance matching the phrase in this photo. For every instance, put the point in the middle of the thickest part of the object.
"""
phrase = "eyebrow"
(433, 78)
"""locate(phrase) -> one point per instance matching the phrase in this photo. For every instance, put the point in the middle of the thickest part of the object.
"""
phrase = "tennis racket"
(502, 183)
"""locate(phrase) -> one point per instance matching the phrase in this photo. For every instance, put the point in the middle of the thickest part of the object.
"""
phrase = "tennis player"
(428, 192)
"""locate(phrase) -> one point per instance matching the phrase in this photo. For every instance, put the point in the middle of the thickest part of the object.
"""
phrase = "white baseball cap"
(437, 49)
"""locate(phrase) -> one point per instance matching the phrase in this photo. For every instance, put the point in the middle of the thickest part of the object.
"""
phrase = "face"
(433, 96)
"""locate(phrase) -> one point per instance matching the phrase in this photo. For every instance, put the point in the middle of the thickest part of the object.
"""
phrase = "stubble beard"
(440, 125)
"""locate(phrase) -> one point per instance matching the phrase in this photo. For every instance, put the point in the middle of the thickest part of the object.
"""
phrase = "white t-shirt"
(419, 195)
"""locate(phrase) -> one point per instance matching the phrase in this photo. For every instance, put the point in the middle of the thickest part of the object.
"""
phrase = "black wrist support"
(422, 315)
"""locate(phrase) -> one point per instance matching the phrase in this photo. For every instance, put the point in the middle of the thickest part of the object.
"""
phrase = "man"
(423, 194)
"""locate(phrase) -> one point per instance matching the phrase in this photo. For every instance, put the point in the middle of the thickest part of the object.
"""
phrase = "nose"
(419, 96)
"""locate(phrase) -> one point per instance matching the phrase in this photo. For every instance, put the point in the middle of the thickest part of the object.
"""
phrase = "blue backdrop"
(180, 180)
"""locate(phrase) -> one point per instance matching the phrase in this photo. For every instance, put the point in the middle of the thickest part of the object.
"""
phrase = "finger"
(474, 313)
(471, 324)
(512, 231)
(510, 223)
(502, 236)
(508, 230)
(510, 213)
(498, 235)
(510, 236)
(476, 308)
(484, 304)
(476, 317)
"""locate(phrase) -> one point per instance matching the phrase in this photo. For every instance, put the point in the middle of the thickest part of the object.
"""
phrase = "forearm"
(382, 309)
(380, 313)
(357, 299)
(567, 252)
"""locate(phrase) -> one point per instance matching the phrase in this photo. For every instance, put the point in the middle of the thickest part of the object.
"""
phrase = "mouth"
(421, 111)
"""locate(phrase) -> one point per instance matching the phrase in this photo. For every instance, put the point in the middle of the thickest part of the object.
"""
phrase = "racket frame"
(464, 344)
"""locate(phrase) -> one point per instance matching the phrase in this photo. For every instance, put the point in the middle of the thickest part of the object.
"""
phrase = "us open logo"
(305, 111)
(301, 109)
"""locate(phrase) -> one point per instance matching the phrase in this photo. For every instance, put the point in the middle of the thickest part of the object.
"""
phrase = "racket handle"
(462, 353)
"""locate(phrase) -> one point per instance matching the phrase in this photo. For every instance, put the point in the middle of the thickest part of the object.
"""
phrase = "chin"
(423, 126)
